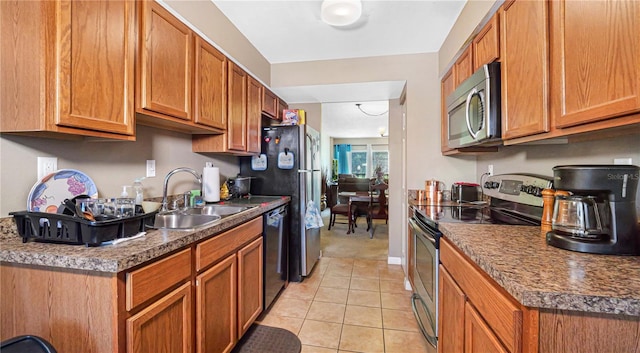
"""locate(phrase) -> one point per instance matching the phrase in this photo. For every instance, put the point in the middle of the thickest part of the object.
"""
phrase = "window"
(365, 158)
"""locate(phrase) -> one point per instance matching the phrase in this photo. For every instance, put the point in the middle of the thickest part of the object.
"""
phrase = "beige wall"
(109, 164)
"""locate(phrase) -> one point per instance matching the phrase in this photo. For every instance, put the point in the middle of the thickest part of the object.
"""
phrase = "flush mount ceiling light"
(340, 12)
(359, 106)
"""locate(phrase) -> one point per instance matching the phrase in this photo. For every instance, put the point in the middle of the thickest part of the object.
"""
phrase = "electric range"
(514, 199)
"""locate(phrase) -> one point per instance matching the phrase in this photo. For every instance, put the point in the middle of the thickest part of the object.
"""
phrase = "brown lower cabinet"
(477, 315)
(199, 299)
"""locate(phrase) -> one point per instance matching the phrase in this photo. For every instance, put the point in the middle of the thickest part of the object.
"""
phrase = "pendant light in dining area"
(340, 12)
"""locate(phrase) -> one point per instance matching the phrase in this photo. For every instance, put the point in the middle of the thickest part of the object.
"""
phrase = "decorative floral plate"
(47, 194)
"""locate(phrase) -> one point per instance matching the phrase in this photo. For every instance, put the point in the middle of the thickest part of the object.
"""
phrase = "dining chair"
(343, 208)
(378, 208)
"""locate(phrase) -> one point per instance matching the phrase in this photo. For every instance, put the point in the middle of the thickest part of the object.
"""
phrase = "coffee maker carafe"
(598, 212)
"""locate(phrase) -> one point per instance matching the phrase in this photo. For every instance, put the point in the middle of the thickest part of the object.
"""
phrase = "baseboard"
(392, 260)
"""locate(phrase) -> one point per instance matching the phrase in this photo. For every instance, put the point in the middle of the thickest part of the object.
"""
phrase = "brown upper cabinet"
(447, 86)
(254, 114)
(50, 50)
(171, 91)
(210, 86)
(282, 105)
(165, 60)
(525, 69)
(269, 104)
(464, 66)
(486, 44)
(595, 58)
(244, 112)
(237, 124)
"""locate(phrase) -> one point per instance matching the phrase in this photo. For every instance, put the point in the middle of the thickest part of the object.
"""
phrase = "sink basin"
(184, 221)
(196, 217)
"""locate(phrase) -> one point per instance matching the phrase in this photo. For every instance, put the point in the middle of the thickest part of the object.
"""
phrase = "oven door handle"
(418, 229)
(415, 298)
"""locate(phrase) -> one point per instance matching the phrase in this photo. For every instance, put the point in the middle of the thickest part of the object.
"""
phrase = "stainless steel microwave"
(473, 109)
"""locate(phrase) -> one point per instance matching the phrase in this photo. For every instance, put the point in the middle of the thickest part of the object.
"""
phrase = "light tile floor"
(349, 305)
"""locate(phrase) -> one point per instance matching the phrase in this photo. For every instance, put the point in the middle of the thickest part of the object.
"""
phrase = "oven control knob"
(495, 184)
(537, 191)
(487, 185)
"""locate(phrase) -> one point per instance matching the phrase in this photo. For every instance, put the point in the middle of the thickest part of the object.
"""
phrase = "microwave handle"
(466, 110)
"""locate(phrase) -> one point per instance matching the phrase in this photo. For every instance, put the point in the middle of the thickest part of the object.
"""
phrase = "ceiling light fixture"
(340, 12)
(359, 105)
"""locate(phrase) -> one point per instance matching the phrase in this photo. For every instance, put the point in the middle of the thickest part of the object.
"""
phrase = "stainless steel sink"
(184, 221)
(196, 217)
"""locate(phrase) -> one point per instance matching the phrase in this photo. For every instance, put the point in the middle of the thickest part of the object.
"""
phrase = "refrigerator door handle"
(305, 170)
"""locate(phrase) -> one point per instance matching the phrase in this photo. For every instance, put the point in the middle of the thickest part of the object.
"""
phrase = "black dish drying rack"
(66, 229)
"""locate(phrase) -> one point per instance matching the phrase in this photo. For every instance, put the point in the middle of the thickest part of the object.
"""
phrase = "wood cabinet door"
(451, 322)
(250, 291)
(269, 103)
(282, 105)
(209, 86)
(216, 313)
(464, 66)
(95, 50)
(165, 60)
(525, 68)
(447, 86)
(595, 57)
(164, 326)
(237, 109)
(254, 115)
(478, 336)
(486, 45)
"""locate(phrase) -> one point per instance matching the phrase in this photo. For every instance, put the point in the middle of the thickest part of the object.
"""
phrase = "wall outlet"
(626, 161)
(46, 166)
(490, 169)
(151, 168)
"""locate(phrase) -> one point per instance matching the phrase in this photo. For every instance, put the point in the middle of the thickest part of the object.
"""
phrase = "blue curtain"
(340, 153)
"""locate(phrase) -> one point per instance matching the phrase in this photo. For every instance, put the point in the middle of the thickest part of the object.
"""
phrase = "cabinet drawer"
(151, 280)
(210, 251)
(498, 309)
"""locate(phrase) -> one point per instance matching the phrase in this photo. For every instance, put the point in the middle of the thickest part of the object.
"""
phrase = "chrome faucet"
(166, 183)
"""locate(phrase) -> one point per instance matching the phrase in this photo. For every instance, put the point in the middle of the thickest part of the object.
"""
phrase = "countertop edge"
(155, 244)
(554, 300)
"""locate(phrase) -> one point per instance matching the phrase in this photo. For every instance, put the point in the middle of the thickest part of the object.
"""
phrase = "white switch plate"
(46, 166)
(151, 168)
(626, 161)
(490, 169)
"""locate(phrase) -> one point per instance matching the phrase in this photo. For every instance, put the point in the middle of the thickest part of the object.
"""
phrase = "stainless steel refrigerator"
(289, 165)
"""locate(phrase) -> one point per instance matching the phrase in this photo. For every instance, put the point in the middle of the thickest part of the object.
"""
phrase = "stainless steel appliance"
(289, 165)
(275, 255)
(599, 214)
(514, 200)
(474, 109)
(465, 192)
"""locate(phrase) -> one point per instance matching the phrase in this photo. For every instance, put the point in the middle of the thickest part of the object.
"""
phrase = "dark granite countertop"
(116, 258)
(542, 276)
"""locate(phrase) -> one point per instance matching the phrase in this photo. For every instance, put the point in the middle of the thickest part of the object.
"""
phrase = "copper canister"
(422, 195)
(434, 190)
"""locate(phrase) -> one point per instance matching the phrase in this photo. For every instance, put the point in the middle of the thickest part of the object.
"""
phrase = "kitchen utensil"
(464, 192)
(239, 186)
(599, 216)
(47, 194)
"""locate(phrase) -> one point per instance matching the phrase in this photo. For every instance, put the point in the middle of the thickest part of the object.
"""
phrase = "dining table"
(357, 197)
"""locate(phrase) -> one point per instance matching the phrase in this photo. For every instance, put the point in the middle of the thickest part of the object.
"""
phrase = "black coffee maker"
(599, 213)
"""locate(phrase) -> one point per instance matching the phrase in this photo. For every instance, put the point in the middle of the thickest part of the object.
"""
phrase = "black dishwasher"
(276, 253)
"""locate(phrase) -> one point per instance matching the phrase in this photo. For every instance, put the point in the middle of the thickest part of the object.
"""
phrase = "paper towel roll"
(211, 184)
